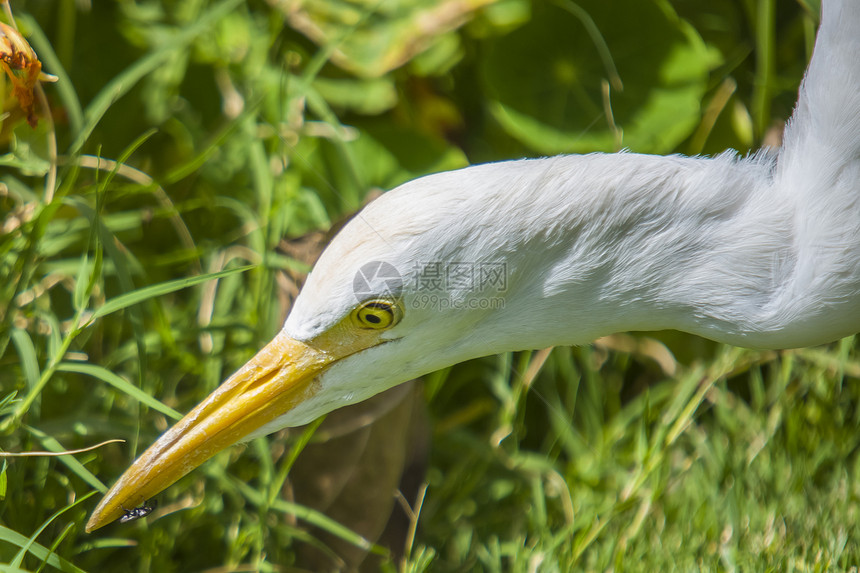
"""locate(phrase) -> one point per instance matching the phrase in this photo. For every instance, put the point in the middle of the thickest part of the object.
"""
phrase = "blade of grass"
(10, 569)
(765, 56)
(115, 304)
(83, 283)
(59, 539)
(23, 267)
(140, 295)
(103, 240)
(27, 353)
(312, 516)
(597, 40)
(298, 445)
(120, 384)
(29, 545)
(4, 480)
(52, 445)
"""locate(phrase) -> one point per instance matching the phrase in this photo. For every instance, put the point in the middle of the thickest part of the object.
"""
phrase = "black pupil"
(373, 318)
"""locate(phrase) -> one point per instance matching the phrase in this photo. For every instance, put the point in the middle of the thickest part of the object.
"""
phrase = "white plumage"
(761, 251)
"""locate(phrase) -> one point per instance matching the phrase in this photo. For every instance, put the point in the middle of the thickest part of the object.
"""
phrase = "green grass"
(193, 137)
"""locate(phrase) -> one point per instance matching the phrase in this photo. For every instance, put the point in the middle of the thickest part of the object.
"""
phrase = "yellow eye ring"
(377, 314)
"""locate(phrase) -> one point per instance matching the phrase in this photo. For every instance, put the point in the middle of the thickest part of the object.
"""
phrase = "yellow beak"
(278, 378)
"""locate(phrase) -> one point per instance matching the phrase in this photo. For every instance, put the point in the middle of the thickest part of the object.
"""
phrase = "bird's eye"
(377, 314)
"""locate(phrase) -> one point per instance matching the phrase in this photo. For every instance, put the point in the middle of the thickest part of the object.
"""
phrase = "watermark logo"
(377, 278)
(434, 276)
(436, 284)
(442, 285)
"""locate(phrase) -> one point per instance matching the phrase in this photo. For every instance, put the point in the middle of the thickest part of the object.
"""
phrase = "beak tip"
(108, 510)
(93, 524)
(99, 518)
(280, 376)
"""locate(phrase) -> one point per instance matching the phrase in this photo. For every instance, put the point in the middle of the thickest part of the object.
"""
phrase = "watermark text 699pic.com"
(441, 302)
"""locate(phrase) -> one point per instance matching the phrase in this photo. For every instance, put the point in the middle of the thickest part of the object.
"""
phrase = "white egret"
(762, 251)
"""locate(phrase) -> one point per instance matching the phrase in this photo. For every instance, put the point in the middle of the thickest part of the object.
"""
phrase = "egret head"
(410, 285)
(398, 293)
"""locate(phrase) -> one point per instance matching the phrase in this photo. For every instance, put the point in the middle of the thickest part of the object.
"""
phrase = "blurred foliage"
(192, 137)
(596, 90)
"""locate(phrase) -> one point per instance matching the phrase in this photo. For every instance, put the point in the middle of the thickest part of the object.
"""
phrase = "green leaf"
(373, 38)
(368, 97)
(122, 83)
(552, 81)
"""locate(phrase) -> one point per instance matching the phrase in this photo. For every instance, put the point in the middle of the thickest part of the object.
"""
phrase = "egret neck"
(760, 251)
